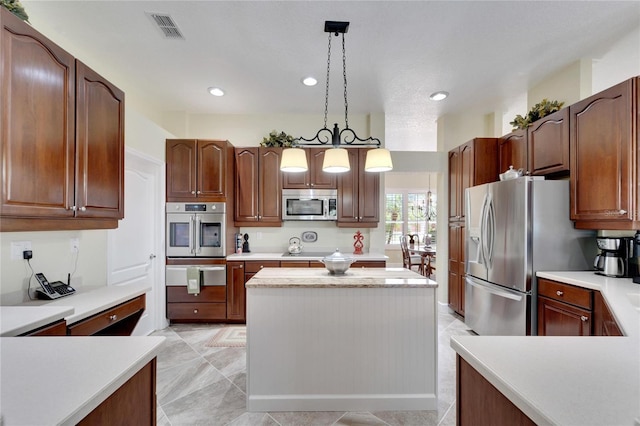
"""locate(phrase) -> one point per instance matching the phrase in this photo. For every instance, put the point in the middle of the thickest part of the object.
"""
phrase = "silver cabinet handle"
(584, 318)
(559, 293)
(193, 192)
(73, 208)
(113, 317)
(198, 192)
(195, 311)
(83, 208)
(622, 212)
(313, 184)
(261, 266)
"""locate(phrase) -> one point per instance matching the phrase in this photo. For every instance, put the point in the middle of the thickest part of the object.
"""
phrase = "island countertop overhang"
(353, 278)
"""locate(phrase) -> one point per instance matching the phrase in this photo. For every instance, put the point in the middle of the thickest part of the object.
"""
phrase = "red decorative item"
(358, 244)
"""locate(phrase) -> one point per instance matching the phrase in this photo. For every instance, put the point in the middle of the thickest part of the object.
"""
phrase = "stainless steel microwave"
(309, 204)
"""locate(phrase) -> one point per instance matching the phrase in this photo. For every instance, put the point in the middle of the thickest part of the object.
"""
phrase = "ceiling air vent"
(166, 25)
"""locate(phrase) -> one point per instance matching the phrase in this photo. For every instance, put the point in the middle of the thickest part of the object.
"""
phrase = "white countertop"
(16, 320)
(59, 380)
(561, 380)
(622, 295)
(354, 277)
(88, 301)
(303, 256)
(569, 380)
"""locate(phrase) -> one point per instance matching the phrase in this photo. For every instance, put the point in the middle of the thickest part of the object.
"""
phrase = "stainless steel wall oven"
(195, 229)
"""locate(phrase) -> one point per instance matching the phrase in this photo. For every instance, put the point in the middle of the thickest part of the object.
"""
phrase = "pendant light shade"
(378, 160)
(336, 160)
(294, 160)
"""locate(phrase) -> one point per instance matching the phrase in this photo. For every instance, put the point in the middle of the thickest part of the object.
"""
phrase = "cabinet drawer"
(294, 264)
(256, 266)
(56, 329)
(566, 293)
(207, 294)
(196, 311)
(108, 318)
(369, 264)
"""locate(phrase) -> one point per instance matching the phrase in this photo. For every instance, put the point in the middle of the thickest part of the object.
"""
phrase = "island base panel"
(479, 403)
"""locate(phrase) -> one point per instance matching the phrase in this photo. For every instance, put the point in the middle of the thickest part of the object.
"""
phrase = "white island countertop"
(353, 278)
(568, 380)
(16, 320)
(59, 380)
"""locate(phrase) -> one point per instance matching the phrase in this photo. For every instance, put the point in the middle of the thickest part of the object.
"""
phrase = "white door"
(135, 251)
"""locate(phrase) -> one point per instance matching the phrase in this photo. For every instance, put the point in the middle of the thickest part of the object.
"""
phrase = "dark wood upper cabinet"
(472, 163)
(258, 188)
(99, 146)
(314, 178)
(358, 193)
(512, 149)
(548, 145)
(62, 137)
(198, 169)
(604, 159)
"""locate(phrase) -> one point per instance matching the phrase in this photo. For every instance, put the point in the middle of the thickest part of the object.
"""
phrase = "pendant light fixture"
(336, 159)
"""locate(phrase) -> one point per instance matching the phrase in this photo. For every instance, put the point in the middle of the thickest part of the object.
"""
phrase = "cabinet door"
(211, 169)
(99, 146)
(513, 151)
(604, 158)
(37, 139)
(454, 184)
(235, 291)
(181, 160)
(368, 192)
(604, 324)
(561, 319)
(270, 189)
(548, 144)
(456, 267)
(246, 200)
(319, 179)
(348, 193)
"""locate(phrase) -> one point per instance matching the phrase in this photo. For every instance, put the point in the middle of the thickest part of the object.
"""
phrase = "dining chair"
(409, 260)
(429, 264)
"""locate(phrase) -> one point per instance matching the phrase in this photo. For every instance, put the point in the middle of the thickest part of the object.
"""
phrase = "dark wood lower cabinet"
(604, 324)
(117, 321)
(208, 305)
(561, 319)
(58, 328)
(479, 403)
(134, 403)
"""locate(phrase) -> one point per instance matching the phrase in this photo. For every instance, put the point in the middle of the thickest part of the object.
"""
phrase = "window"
(410, 212)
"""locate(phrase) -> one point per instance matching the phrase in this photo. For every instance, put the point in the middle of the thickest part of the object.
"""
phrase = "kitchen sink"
(306, 254)
(634, 298)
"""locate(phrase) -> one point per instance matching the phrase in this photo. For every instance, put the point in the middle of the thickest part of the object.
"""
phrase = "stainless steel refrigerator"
(515, 228)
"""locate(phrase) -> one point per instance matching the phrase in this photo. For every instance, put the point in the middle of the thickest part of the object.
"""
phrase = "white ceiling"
(485, 53)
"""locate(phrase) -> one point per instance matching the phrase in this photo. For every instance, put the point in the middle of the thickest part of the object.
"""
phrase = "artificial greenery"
(16, 8)
(539, 110)
(276, 139)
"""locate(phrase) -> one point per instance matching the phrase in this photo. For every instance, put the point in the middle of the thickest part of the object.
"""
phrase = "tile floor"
(202, 385)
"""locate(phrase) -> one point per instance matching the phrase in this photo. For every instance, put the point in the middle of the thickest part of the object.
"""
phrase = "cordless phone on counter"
(52, 291)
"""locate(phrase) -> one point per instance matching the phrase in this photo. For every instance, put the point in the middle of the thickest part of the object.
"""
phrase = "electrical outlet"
(17, 247)
(74, 245)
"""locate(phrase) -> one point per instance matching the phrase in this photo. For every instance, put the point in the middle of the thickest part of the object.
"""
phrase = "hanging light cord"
(344, 76)
(326, 93)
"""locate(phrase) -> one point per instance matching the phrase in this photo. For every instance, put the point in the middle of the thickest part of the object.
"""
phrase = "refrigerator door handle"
(483, 238)
(498, 291)
(491, 232)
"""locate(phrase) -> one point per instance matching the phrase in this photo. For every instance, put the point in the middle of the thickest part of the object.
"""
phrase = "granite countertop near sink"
(315, 255)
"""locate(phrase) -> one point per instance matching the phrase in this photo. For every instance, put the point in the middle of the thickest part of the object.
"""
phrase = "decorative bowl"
(337, 263)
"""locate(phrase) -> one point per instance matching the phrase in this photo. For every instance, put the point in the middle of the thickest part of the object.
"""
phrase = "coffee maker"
(614, 257)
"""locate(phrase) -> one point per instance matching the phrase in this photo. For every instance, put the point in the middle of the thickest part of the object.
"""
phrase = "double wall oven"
(195, 247)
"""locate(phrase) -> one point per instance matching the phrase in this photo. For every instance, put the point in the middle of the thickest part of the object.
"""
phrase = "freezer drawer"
(491, 310)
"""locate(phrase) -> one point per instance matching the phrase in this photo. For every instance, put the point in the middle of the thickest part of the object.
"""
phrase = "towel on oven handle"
(193, 280)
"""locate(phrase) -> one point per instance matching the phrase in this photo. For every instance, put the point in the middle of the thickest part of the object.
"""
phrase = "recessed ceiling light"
(438, 96)
(216, 91)
(309, 81)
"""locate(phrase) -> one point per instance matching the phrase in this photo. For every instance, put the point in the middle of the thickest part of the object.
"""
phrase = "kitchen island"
(366, 340)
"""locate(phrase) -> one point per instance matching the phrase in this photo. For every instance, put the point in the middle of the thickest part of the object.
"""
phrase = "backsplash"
(330, 237)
